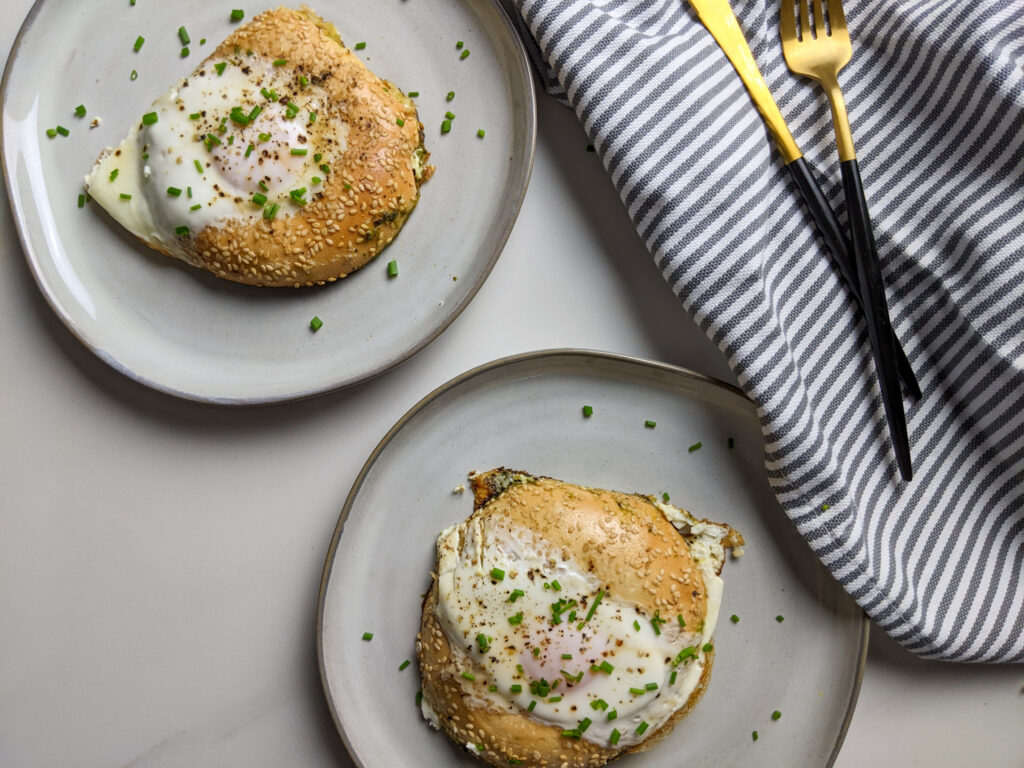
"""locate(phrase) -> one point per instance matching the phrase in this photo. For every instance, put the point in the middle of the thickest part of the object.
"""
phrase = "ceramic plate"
(188, 333)
(525, 413)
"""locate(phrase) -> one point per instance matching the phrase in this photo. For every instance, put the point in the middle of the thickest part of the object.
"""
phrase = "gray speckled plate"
(188, 333)
(525, 412)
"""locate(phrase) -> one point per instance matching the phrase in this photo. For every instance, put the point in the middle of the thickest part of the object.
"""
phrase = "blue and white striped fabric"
(936, 98)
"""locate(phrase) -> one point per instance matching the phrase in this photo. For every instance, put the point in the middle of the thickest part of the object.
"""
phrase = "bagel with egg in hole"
(567, 625)
(281, 160)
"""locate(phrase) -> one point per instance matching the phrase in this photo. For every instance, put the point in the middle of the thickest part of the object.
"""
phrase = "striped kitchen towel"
(936, 98)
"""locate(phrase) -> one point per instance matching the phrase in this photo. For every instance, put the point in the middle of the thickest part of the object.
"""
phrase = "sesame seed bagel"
(642, 568)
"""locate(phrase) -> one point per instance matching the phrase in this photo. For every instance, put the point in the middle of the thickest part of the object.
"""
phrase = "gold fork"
(819, 52)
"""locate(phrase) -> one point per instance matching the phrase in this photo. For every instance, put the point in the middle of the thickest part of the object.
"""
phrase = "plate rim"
(508, 220)
(489, 367)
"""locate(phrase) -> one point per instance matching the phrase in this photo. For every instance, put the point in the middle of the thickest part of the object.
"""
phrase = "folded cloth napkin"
(935, 92)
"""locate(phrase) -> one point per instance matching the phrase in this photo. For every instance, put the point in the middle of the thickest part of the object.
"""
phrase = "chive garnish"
(259, 199)
(657, 621)
(599, 704)
(642, 727)
(637, 691)
(113, 174)
(449, 96)
(80, 110)
(650, 424)
(51, 132)
(254, 112)
(196, 207)
(299, 152)
(636, 625)
(734, 619)
(181, 230)
(464, 54)
(651, 686)
(393, 272)
(183, 34)
(303, 81)
(497, 574)
(125, 196)
(614, 738)
(312, 117)
(613, 714)
(326, 169)
(515, 688)
(271, 211)
(81, 201)
(296, 196)
(62, 130)
(403, 665)
(199, 166)
(316, 180)
(237, 14)
(133, 76)
(588, 411)
(449, 115)
(516, 594)
(139, 42)
(480, 133)
(593, 606)
(776, 715)
(555, 585)
(367, 636)
(262, 186)
(249, 149)
(458, 45)
(469, 676)
(446, 126)
(188, 191)
(316, 324)
(399, 122)
(694, 447)
(682, 621)
(517, 619)
(606, 667)
(555, 699)
(708, 648)
(174, 192)
(672, 677)
(483, 642)
(413, 94)
(780, 619)
(280, 62)
(753, 735)
(359, 46)
(184, 52)
(531, 707)
(264, 136)
(566, 655)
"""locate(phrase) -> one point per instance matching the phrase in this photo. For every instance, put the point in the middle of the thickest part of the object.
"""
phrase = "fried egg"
(568, 624)
(281, 160)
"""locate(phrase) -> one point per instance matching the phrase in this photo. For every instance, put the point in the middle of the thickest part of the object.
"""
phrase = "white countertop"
(160, 560)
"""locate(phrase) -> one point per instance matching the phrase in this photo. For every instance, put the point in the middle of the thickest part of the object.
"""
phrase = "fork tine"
(787, 21)
(805, 20)
(836, 19)
(819, 18)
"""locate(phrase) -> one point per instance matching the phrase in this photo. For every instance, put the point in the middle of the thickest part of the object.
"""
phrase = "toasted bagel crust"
(364, 199)
(626, 542)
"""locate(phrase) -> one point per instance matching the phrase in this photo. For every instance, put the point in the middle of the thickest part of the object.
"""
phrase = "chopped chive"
(113, 174)
(651, 686)
(468, 676)
(515, 688)
(642, 727)
(316, 324)
(776, 715)
(139, 42)
(403, 665)
(188, 191)
(516, 594)
(184, 52)
(254, 112)
(262, 186)
(316, 180)
(606, 667)
(665, 497)
(270, 95)
(614, 738)
(237, 14)
(530, 708)
(199, 166)
(51, 132)
(446, 126)
(588, 411)
(612, 714)
(62, 130)
(259, 199)
(492, 688)
(212, 140)
(694, 447)
(708, 648)
(399, 122)
(599, 704)
(449, 96)
(464, 54)
(419, 698)
(517, 619)
(536, 652)
(183, 34)
(80, 110)
(780, 619)
(359, 46)
(449, 115)
(303, 81)
(125, 196)
(682, 621)
(753, 735)
(497, 574)
(672, 677)
(312, 117)
(637, 691)
(327, 169)
(81, 201)
(458, 45)
(296, 196)
(145, 155)
(650, 424)
(317, 157)
(734, 619)
(824, 507)
(133, 76)
(194, 116)
(249, 149)
(367, 636)
(593, 606)
(299, 152)
(583, 725)
(555, 699)
(657, 621)
(202, 41)
(239, 118)
(555, 585)
(636, 625)
(181, 230)
(263, 136)
(280, 62)
(196, 207)
(393, 272)
(483, 642)
(481, 133)
(413, 94)
(271, 211)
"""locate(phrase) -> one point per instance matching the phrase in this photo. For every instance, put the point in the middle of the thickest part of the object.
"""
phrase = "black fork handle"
(828, 226)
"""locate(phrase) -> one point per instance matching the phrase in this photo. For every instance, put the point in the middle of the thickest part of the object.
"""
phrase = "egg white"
(654, 665)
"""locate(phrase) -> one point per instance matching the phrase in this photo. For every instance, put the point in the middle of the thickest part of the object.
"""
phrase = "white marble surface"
(159, 560)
